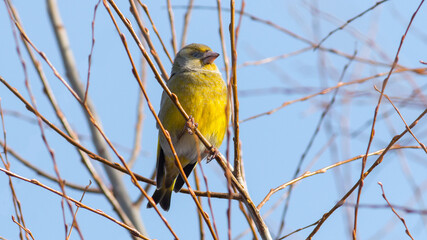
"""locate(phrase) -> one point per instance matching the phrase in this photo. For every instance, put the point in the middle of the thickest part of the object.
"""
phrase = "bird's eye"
(196, 54)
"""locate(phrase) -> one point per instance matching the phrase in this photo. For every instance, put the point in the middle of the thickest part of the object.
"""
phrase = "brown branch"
(45, 174)
(422, 71)
(199, 215)
(91, 50)
(223, 46)
(233, 83)
(16, 203)
(39, 121)
(23, 227)
(77, 203)
(349, 21)
(406, 125)
(394, 211)
(373, 166)
(186, 23)
(299, 229)
(254, 212)
(155, 30)
(146, 35)
(298, 37)
(118, 187)
(77, 209)
(401, 208)
(271, 59)
(98, 158)
(136, 149)
(325, 169)
(172, 25)
(362, 172)
(64, 122)
(205, 179)
(262, 228)
(163, 130)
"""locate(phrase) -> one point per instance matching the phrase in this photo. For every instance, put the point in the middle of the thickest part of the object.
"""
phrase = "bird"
(201, 91)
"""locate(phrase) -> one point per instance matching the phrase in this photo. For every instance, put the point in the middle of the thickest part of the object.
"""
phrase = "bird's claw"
(213, 154)
(191, 125)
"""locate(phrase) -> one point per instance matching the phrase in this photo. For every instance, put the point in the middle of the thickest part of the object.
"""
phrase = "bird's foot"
(191, 125)
(213, 154)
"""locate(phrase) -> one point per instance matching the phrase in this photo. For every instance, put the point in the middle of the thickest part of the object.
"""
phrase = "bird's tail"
(162, 196)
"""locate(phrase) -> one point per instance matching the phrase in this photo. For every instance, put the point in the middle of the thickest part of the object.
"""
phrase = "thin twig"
(394, 211)
(114, 164)
(380, 206)
(299, 229)
(205, 179)
(16, 203)
(199, 215)
(155, 30)
(91, 50)
(312, 139)
(296, 36)
(172, 25)
(349, 21)
(40, 124)
(186, 23)
(101, 159)
(362, 172)
(165, 133)
(358, 183)
(325, 169)
(327, 90)
(146, 34)
(45, 174)
(275, 58)
(406, 125)
(135, 72)
(118, 187)
(223, 46)
(23, 227)
(233, 83)
(77, 209)
(67, 127)
(174, 98)
(77, 203)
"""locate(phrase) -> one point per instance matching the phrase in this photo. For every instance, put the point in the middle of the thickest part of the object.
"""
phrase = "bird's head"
(195, 57)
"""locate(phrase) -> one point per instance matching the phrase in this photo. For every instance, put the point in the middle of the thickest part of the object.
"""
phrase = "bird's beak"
(209, 57)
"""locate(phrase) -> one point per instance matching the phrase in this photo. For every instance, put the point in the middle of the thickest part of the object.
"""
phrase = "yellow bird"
(202, 92)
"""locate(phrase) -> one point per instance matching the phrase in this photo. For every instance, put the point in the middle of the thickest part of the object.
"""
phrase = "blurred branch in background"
(119, 189)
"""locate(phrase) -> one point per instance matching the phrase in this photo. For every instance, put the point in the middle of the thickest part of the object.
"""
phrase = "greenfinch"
(197, 82)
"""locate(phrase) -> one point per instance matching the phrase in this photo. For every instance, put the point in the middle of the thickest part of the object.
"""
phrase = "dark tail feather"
(162, 196)
(157, 196)
(165, 202)
(180, 181)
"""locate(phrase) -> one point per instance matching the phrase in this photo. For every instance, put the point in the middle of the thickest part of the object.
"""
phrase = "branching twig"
(365, 174)
(77, 203)
(96, 157)
(325, 169)
(394, 211)
(23, 227)
(186, 23)
(172, 25)
(362, 173)
(146, 34)
(233, 83)
(406, 125)
(155, 30)
(349, 21)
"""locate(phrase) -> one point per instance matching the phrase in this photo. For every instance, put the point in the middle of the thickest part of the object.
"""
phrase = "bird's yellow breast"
(203, 95)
